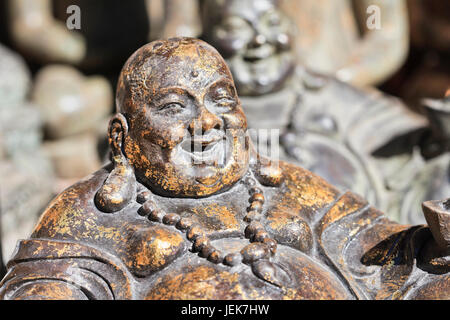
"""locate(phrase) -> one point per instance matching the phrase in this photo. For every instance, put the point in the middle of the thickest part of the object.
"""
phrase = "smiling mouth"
(253, 59)
(259, 54)
(205, 151)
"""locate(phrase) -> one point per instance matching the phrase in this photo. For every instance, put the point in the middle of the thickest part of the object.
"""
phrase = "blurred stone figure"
(26, 175)
(328, 126)
(109, 30)
(75, 111)
(362, 42)
(422, 170)
(39, 36)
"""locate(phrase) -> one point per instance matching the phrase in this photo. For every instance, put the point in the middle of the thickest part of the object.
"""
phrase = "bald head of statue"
(179, 121)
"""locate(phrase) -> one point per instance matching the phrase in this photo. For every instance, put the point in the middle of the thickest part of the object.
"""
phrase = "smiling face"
(255, 38)
(186, 129)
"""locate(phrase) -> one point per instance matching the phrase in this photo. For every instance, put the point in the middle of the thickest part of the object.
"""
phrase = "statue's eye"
(225, 102)
(233, 24)
(172, 107)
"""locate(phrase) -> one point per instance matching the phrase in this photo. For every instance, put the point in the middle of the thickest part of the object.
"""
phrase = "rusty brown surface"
(154, 224)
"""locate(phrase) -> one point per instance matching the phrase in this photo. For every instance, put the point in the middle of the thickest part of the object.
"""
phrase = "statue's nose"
(205, 122)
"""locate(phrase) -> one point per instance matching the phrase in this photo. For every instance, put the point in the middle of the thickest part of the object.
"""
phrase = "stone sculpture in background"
(75, 112)
(25, 171)
(328, 127)
(107, 33)
(189, 210)
(362, 42)
(418, 170)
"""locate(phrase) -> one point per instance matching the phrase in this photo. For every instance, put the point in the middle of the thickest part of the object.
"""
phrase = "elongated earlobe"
(120, 186)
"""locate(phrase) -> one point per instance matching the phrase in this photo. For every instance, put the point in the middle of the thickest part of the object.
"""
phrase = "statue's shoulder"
(310, 197)
(306, 188)
(302, 195)
(73, 208)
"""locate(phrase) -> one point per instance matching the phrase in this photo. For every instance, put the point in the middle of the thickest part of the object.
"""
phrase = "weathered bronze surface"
(327, 126)
(165, 221)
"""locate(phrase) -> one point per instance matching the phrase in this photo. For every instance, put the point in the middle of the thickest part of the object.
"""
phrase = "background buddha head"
(255, 38)
(180, 124)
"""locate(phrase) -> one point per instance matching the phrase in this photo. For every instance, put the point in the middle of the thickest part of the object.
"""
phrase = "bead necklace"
(261, 246)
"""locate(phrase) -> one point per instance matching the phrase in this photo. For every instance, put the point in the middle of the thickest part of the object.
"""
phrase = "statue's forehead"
(191, 67)
(248, 9)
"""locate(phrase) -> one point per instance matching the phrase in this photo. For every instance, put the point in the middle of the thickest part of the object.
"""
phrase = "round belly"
(299, 277)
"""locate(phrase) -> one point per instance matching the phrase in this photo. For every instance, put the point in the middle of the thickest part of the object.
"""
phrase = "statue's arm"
(382, 259)
(36, 32)
(415, 262)
(382, 50)
(46, 290)
(64, 270)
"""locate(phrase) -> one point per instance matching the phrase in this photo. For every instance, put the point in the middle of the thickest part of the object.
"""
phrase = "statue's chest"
(153, 241)
(169, 230)
(218, 216)
(288, 275)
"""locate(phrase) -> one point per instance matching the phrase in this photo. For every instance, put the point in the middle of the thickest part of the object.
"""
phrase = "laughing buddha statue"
(187, 209)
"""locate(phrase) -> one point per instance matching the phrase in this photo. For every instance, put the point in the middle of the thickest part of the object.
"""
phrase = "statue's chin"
(178, 177)
(207, 176)
(197, 184)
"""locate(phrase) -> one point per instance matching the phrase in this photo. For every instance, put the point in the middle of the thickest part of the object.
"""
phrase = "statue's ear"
(117, 131)
(120, 185)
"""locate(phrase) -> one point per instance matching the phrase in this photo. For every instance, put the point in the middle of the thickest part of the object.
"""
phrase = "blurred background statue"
(419, 167)
(26, 175)
(107, 33)
(362, 42)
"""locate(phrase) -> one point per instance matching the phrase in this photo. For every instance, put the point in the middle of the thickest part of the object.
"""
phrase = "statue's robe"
(353, 251)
